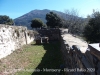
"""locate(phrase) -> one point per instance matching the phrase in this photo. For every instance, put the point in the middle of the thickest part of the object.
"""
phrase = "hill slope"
(25, 20)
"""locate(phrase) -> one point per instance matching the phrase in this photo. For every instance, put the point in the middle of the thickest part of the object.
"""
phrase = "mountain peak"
(25, 20)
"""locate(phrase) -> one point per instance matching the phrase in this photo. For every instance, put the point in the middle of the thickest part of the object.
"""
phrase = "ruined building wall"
(53, 34)
(12, 38)
(79, 63)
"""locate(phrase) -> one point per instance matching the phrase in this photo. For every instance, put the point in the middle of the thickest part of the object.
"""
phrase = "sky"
(17, 8)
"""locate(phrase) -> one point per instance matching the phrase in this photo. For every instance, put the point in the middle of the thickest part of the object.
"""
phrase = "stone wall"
(12, 38)
(53, 34)
(77, 61)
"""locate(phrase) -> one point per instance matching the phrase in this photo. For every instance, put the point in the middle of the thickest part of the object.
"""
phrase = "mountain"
(25, 20)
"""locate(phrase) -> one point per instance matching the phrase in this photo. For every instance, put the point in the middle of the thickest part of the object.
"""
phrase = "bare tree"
(74, 22)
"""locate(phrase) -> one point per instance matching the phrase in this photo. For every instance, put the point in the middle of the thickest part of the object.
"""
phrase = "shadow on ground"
(52, 59)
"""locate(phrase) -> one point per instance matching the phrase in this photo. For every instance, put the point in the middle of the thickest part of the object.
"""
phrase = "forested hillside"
(26, 19)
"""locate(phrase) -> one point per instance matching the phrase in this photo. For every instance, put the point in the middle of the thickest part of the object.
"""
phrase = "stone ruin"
(47, 35)
(13, 37)
(77, 60)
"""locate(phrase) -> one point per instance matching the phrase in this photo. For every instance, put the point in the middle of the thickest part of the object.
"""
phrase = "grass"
(32, 57)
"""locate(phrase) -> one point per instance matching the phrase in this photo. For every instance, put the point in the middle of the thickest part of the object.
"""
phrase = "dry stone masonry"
(12, 38)
(80, 58)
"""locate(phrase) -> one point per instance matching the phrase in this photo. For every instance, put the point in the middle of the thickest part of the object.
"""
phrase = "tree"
(53, 20)
(74, 23)
(92, 29)
(36, 23)
(6, 20)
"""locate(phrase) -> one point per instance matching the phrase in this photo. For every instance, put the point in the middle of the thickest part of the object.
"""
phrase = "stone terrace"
(78, 55)
(73, 40)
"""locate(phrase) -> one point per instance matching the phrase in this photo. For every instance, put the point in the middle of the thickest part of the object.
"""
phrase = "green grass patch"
(33, 57)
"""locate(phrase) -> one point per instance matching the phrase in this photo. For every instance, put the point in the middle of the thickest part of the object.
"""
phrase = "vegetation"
(92, 29)
(36, 23)
(74, 23)
(32, 57)
(27, 18)
(17, 32)
(6, 20)
(53, 20)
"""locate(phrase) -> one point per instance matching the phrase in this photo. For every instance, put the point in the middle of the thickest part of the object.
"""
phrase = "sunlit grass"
(31, 57)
